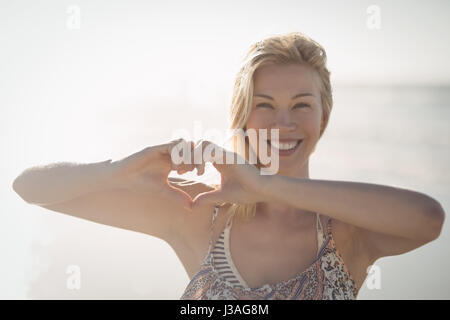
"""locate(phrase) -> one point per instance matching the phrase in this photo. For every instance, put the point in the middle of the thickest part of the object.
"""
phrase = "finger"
(210, 197)
(209, 152)
(187, 152)
(197, 155)
(174, 150)
(214, 154)
(196, 159)
(174, 144)
(201, 169)
(181, 154)
(181, 197)
(188, 155)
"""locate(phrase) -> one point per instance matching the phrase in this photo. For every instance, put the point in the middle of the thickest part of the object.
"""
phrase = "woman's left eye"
(301, 105)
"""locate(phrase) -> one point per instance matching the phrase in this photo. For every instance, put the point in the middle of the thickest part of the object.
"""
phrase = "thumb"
(179, 196)
(210, 197)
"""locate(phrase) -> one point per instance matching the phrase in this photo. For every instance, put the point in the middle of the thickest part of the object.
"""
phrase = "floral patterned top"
(327, 278)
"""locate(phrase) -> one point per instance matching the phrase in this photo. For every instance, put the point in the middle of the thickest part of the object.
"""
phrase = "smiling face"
(287, 98)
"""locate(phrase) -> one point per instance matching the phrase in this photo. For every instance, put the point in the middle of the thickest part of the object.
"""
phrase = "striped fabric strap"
(216, 210)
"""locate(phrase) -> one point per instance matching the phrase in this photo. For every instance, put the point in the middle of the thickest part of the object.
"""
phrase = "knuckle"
(178, 142)
(175, 141)
(208, 141)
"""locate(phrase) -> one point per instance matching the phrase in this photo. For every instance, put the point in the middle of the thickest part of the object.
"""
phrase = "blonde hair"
(293, 47)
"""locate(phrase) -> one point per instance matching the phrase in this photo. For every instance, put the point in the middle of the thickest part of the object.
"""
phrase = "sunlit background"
(133, 72)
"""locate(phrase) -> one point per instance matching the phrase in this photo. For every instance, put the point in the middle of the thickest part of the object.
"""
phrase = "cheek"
(307, 122)
(254, 124)
(258, 120)
(310, 123)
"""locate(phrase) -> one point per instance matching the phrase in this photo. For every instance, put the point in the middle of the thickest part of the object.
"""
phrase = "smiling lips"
(285, 147)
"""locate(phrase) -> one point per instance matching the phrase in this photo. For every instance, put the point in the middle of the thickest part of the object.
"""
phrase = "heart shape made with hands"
(147, 171)
(240, 181)
(185, 157)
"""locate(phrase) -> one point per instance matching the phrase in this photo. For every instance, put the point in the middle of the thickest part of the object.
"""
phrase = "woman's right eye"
(264, 105)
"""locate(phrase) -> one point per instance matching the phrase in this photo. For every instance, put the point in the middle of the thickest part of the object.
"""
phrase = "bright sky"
(198, 40)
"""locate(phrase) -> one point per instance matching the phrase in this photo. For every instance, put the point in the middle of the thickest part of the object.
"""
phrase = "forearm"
(58, 182)
(378, 208)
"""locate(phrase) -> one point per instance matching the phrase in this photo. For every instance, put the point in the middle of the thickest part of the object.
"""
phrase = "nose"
(284, 121)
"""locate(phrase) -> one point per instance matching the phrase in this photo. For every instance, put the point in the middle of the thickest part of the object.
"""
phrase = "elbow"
(18, 188)
(436, 218)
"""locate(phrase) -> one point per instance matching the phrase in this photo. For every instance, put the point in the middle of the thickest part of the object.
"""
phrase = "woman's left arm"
(382, 214)
(387, 220)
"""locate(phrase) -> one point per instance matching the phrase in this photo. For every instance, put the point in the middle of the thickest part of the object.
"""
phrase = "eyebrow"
(294, 97)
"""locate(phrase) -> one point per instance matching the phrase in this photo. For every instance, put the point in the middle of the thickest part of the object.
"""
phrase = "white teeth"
(284, 146)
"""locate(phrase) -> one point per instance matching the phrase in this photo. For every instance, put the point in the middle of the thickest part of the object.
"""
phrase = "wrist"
(108, 177)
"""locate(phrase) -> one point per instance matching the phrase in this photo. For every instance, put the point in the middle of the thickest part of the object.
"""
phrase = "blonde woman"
(282, 236)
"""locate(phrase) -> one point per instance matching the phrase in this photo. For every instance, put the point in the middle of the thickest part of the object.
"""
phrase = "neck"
(279, 213)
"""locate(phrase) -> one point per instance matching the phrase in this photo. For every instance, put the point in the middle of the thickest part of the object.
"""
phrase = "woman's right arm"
(59, 182)
(133, 193)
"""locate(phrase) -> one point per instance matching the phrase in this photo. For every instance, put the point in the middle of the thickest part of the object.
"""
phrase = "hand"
(147, 171)
(240, 181)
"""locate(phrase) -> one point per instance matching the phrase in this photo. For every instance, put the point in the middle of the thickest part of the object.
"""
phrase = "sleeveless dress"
(327, 278)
